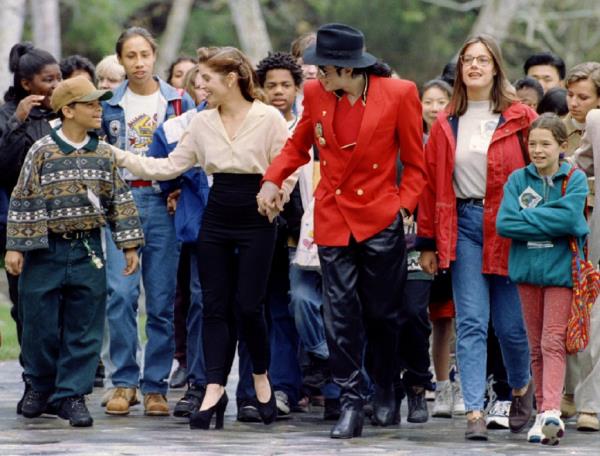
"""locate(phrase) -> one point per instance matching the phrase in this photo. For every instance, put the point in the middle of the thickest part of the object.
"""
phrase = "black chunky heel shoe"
(201, 419)
(349, 425)
(268, 410)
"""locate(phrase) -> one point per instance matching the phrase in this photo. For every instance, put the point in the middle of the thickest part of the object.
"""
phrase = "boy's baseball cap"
(77, 89)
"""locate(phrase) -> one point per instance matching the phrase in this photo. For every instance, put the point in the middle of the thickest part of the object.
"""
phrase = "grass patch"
(10, 345)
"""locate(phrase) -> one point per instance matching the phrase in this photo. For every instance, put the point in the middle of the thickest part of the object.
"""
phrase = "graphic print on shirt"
(139, 133)
(480, 141)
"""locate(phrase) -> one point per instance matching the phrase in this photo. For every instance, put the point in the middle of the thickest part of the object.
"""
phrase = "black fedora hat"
(339, 45)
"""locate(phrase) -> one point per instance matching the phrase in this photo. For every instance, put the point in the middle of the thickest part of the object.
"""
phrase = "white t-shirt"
(143, 113)
(475, 130)
(74, 145)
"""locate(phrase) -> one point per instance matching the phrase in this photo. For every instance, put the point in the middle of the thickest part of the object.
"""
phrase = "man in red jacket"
(360, 119)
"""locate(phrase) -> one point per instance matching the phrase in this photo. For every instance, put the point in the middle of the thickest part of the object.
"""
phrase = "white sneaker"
(553, 427)
(283, 403)
(497, 415)
(443, 404)
(458, 403)
(534, 435)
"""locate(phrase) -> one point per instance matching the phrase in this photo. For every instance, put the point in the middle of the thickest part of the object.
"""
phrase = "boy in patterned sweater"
(69, 187)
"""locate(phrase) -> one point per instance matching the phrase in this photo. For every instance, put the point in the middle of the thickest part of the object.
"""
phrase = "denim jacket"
(113, 115)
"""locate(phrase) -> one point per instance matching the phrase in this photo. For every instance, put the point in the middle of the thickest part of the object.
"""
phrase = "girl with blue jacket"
(540, 220)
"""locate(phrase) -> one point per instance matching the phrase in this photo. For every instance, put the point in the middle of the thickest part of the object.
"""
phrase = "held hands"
(26, 105)
(132, 260)
(270, 200)
(428, 261)
(13, 262)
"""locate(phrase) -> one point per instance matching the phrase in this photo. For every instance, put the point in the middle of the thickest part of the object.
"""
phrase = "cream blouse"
(205, 142)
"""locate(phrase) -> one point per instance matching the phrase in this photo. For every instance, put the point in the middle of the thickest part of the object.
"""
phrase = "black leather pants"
(362, 288)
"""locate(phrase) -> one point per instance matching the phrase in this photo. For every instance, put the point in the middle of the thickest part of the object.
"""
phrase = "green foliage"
(10, 346)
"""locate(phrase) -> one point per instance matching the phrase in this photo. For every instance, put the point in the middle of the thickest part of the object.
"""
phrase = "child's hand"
(428, 261)
(13, 262)
(132, 260)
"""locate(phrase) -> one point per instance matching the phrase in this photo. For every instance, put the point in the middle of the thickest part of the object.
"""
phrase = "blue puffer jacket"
(540, 253)
(193, 183)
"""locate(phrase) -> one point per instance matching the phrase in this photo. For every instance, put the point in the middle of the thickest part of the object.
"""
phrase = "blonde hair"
(582, 72)
(227, 60)
(110, 64)
(189, 83)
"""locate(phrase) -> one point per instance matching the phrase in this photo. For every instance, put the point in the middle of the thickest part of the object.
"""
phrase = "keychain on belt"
(94, 259)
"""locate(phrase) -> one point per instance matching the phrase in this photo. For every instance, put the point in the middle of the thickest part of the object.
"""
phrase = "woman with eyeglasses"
(472, 149)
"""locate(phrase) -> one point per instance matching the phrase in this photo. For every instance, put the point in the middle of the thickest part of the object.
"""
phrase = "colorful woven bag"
(586, 288)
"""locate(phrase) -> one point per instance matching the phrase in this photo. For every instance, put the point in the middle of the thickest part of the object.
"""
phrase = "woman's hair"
(583, 71)
(131, 32)
(555, 101)
(553, 123)
(502, 92)
(183, 58)
(439, 84)
(300, 44)
(110, 64)
(189, 83)
(227, 60)
(279, 61)
(71, 64)
(25, 61)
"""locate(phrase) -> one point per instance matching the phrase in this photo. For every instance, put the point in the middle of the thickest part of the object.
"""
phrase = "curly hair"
(279, 61)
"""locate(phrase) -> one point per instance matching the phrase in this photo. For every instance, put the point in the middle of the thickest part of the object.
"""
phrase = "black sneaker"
(27, 388)
(75, 410)
(417, 405)
(34, 403)
(247, 412)
(332, 410)
(179, 378)
(190, 402)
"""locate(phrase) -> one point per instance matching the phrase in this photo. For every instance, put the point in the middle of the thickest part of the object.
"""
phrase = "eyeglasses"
(482, 60)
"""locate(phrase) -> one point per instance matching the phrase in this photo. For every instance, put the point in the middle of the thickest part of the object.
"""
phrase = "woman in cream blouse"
(235, 142)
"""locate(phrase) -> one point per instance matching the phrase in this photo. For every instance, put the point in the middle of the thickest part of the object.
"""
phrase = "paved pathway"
(303, 434)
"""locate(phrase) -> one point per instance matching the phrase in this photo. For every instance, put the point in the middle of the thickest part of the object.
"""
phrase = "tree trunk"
(496, 17)
(45, 19)
(12, 18)
(251, 28)
(173, 35)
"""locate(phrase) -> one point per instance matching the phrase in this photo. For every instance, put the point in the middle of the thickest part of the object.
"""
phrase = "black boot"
(75, 410)
(190, 402)
(384, 406)
(34, 403)
(349, 425)
(417, 405)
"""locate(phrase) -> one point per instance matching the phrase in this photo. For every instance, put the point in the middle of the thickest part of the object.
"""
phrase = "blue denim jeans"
(195, 351)
(306, 301)
(158, 260)
(478, 296)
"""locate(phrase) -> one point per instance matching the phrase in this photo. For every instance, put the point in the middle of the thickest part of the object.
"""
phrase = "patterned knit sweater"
(61, 189)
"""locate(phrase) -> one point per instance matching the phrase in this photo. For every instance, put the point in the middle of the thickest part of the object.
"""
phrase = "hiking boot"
(75, 410)
(567, 406)
(190, 402)
(34, 403)
(155, 404)
(521, 409)
(27, 388)
(417, 405)
(443, 403)
(587, 422)
(476, 429)
(122, 398)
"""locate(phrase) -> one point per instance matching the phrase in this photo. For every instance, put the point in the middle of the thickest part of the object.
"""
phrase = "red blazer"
(357, 195)
(437, 226)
